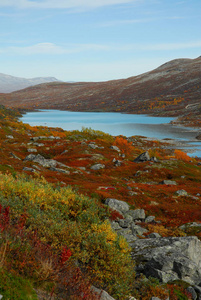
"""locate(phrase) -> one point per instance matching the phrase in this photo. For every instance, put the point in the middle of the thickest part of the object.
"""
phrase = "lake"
(114, 124)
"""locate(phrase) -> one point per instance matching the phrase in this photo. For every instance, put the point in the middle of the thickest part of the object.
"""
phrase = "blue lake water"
(114, 124)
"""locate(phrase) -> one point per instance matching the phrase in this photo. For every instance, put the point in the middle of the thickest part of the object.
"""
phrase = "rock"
(168, 182)
(149, 219)
(130, 238)
(154, 235)
(31, 150)
(60, 170)
(181, 193)
(97, 156)
(38, 144)
(115, 148)
(198, 289)
(117, 162)
(190, 225)
(142, 157)
(28, 169)
(103, 295)
(48, 163)
(191, 290)
(138, 230)
(53, 137)
(198, 137)
(14, 156)
(36, 138)
(170, 258)
(118, 205)
(30, 157)
(154, 159)
(128, 218)
(115, 226)
(92, 145)
(10, 137)
(137, 214)
(124, 223)
(131, 193)
(97, 167)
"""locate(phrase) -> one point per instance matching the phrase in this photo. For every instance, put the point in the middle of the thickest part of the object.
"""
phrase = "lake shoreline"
(116, 124)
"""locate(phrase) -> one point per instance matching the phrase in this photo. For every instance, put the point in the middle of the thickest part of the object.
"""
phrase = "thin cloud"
(137, 21)
(158, 47)
(172, 46)
(52, 49)
(61, 4)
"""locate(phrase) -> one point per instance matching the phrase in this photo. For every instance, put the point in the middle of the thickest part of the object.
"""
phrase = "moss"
(15, 287)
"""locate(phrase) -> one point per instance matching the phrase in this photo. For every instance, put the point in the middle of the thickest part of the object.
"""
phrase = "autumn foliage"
(182, 155)
(54, 224)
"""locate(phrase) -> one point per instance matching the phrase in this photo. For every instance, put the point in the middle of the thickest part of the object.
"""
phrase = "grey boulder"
(118, 205)
(142, 157)
(170, 258)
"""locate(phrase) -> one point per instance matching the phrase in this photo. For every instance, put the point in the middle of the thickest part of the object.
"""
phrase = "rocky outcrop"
(169, 258)
(47, 163)
(165, 258)
(127, 226)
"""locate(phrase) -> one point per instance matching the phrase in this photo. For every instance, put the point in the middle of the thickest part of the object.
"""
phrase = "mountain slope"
(172, 89)
(10, 83)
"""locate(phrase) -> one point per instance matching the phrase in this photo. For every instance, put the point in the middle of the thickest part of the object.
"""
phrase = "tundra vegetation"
(56, 239)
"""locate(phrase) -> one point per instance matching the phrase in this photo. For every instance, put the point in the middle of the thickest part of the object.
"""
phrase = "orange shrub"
(122, 143)
(182, 155)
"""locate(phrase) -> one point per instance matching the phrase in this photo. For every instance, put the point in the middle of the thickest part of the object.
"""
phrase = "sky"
(96, 40)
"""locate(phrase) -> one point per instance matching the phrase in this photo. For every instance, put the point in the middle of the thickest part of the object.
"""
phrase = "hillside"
(82, 208)
(173, 89)
(10, 83)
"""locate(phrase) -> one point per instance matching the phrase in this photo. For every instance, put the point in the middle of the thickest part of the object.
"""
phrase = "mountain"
(172, 89)
(10, 83)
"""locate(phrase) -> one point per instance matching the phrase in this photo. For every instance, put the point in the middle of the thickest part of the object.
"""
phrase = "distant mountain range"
(10, 83)
(173, 89)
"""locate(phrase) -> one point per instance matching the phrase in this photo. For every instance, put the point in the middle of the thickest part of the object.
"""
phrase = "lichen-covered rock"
(191, 225)
(168, 182)
(138, 230)
(97, 167)
(115, 148)
(137, 214)
(170, 258)
(154, 235)
(181, 193)
(149, 219)
(118, 205)
(48, 163)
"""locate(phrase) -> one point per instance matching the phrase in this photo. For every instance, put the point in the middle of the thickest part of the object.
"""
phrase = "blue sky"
(96, 40)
